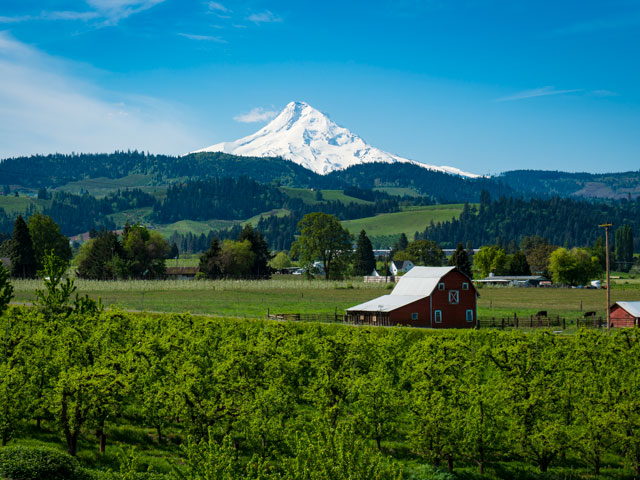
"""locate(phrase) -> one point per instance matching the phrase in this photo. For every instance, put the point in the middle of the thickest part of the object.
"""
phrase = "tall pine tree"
(23, 260)
(624, 248)
(460, 259)
(210, 260)
(260, 267)
(364, 261)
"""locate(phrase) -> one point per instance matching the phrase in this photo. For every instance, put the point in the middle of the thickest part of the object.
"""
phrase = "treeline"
(56, 170)
(563, 222)
(257, 399)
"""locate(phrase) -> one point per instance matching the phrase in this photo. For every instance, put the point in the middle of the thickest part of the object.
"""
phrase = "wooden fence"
(382, 319)
(533, 321)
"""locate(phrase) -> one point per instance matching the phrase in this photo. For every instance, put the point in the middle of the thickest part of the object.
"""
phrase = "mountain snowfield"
(304, 135)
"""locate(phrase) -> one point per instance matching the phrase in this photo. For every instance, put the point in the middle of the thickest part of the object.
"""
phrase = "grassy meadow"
(294, 294)
(407, 221)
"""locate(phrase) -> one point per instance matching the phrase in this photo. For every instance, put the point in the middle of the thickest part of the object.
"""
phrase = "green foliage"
(54, 299)
(322, 237)
(490, 260)
(210, 260)
(46, 237)
(624, 248)
(363, 260)
(38, 463)
(6, 289)
(421, 252)
(23, 260)
(573, 267)
(460, 259)
(280, 261)
(140, 253)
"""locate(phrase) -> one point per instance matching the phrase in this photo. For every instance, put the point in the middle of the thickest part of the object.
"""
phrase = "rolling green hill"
(309, 196)
(408, 221)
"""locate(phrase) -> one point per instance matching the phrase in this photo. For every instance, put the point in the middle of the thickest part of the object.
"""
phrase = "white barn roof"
(420, 281)
(632, 307)
(386, 303)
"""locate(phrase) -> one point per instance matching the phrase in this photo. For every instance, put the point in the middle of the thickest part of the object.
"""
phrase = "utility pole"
(606, 233)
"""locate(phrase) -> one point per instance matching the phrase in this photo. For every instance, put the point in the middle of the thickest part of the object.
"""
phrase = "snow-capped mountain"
(310, 138)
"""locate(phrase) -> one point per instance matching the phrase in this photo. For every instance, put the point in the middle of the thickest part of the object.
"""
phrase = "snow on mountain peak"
(304, 135)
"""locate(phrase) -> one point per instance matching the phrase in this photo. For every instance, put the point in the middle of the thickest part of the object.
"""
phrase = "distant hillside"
(540, 183)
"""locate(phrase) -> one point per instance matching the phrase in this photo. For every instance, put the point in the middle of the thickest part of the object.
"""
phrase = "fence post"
(564, 323)
(516, 322)
(267, 312)
(503, 324)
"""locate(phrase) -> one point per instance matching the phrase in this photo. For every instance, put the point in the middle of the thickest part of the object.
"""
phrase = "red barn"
(435, 297)
(625, 314)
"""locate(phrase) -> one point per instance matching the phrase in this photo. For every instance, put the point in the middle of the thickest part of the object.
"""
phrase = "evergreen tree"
(624, 248)
(261, 255)
(402, 243)
(364, 261)
(23, 260)
(210, 260)
(460, 259)
(518, 264)
(102, 258)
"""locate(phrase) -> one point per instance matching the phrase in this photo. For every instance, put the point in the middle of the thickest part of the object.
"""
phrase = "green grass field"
(309, 196)
(408, 221)
(293, 294)
(101, 186)
(12, 204)
(399, 191)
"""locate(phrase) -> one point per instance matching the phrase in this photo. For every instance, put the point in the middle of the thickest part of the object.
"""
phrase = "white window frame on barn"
(454, 297)
(469, 315)
(441, 286)
(437, 316)
(414, 316)
(465, 286)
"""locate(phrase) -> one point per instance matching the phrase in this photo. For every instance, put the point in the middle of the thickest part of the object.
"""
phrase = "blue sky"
(486, 86)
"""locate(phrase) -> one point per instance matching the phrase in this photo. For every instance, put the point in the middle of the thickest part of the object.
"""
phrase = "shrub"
(38, 463)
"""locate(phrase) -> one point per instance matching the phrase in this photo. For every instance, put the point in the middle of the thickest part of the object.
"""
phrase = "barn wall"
(402, 315)
(621, 318)
(454, 316)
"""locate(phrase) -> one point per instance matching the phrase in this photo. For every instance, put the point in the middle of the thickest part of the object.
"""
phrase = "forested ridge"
(564, 222)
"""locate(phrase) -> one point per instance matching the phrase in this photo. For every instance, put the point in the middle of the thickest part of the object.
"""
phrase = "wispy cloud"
(604, 93)
(537, 92)
(202, 38)
(107, 12)
(44, 108)
(218, 7)
(257, 114)
(264, 17)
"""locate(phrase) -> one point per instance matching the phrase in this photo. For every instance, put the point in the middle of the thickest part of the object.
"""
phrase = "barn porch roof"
(386, 303)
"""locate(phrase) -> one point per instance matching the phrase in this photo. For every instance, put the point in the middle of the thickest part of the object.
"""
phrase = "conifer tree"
(260, 265)
(624, 247)
(23, 260)
(460, 259)
(364, 261)
(210, 260)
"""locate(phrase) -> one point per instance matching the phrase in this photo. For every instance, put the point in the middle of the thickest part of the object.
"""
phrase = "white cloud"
(45, 109)
(264, 17)
(115, 10)
(537, 92)
(604, 93)
(202, 38)
(218, 7)
(257, 114)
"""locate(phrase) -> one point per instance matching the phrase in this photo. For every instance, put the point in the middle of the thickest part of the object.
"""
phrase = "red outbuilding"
(435, 297)
(625, 314)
